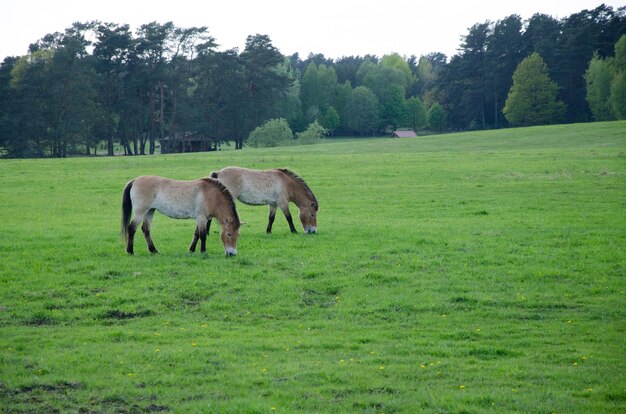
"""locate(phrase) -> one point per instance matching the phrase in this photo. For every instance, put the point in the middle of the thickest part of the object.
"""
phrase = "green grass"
(462, 273)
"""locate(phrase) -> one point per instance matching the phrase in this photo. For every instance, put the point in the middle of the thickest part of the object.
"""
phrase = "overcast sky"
(333, 27)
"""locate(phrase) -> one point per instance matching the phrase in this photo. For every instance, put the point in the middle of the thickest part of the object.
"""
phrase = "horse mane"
(301, 181)
(228, 195)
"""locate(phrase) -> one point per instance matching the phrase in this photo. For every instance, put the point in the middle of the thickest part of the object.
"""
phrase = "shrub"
(313, 134)
(273, 133)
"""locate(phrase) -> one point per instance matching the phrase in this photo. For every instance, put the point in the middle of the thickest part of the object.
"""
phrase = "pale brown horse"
(276, 188)
(201, 199)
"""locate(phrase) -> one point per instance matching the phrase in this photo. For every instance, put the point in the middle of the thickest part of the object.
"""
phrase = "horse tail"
(127, 206)
(214, 174)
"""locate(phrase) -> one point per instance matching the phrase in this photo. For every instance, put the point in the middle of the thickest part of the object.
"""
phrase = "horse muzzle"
(231, 252)
(311, 230)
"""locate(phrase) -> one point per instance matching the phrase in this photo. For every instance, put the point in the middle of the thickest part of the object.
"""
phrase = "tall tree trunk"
(161, 119)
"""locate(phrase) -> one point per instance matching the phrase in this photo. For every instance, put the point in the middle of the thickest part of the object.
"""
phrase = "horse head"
(308, 216)
(230, 233)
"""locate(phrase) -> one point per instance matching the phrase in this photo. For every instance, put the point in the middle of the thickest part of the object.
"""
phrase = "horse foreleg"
(270, 222)
(289, 219)
(146, 231)
(196, 236)
(203, 238)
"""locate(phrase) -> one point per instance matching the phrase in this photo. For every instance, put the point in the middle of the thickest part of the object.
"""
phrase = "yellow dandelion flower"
(381, 367)
(264, 370)
(462, 387)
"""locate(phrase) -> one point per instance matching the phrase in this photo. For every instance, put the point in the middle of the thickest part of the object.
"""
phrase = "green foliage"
(312, 135)
(308, 89)
(416, 113)
(363, 115)
(605, 83)
(396, 61)
(273, 133)
(393, 109)
(618, 95)
(617, 99)
(473, 272)
(437, 118)
(598, 78)
(319, 90)
(620, 54)
(330, 119)
(532, 98)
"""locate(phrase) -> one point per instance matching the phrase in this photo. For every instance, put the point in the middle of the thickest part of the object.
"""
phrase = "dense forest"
(100, 85)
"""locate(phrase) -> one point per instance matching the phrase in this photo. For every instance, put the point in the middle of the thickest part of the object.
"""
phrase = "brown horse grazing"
(276, 188)
(201, 199)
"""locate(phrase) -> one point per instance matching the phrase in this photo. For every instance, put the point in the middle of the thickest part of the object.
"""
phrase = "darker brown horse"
(201, 199)
(276, 188)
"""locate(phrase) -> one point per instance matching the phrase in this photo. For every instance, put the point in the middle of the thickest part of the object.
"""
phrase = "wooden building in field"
(188, 142)
(404, 134)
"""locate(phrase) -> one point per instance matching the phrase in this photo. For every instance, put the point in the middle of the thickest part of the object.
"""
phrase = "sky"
(334, 28)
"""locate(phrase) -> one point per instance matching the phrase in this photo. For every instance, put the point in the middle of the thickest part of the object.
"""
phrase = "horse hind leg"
(132, 229)
(194, 241)
(146, 231)
(270, 221)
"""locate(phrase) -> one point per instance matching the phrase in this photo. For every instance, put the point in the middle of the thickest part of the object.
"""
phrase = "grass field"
(462, 273)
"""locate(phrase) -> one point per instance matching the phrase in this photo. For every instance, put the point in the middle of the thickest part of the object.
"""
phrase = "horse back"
(173, 198)
(254, 187)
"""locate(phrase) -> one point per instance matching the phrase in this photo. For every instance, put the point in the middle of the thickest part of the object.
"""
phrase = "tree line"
(99, 84)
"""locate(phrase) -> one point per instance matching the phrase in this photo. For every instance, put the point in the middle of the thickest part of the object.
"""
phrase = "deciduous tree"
(363, 114)
(598, 80)
(532, 98)
(415, 113)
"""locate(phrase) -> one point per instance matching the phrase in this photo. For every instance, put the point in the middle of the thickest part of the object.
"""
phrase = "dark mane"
(300, 181)
(229, 198)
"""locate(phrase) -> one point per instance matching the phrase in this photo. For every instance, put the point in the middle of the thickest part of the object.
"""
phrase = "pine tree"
(532, 98)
